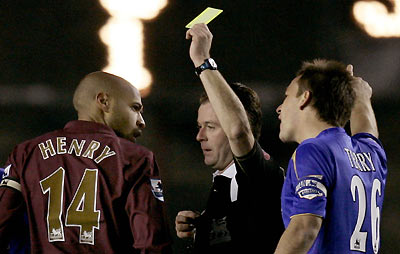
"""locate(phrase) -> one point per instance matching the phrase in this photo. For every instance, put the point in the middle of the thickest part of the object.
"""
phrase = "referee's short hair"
(251, 103)
(332, 94)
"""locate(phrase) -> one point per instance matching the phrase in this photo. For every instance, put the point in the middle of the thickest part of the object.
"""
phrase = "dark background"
(46, 47)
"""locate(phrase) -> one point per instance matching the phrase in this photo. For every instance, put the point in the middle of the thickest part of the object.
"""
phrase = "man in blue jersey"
(334, 187)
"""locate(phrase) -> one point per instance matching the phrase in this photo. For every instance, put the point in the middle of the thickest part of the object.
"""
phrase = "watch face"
(212, 62)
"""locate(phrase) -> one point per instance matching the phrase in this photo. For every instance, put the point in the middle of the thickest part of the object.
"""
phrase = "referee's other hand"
(184, 224)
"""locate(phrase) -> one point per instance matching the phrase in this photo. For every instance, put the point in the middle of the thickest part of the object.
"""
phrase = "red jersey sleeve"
(146, 212)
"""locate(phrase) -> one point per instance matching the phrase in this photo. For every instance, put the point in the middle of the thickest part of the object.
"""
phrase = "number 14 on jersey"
(81, 212)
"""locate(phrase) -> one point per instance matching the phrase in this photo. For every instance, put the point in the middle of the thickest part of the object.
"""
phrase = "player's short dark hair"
(251, 103)
(330, 85)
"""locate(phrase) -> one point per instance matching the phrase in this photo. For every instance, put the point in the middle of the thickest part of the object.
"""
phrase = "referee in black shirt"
(243, 212)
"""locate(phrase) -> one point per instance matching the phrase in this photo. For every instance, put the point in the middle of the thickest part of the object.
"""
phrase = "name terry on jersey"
(62, 147)
(361, 161)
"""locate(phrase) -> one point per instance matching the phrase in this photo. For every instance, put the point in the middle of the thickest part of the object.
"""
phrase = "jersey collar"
(332, 130)
(80, 126)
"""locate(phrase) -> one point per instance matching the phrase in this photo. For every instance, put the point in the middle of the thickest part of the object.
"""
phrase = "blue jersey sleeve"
(311, 180)
(372, 142)
(9, 177)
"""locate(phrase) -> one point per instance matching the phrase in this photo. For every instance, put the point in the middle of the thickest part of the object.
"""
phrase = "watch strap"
(209, 64)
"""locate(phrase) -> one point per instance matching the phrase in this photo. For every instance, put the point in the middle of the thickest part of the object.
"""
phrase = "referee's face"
(214, 143)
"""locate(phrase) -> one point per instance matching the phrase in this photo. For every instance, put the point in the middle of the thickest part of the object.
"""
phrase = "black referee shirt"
(250, 222)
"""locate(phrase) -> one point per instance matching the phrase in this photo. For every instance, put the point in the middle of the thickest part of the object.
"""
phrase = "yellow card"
(205, 17)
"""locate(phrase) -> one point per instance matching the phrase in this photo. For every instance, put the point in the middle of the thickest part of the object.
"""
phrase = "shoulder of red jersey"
(133, 149)
(30, 144)
(125, 143)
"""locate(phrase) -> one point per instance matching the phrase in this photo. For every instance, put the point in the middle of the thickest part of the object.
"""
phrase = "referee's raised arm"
(226, 104)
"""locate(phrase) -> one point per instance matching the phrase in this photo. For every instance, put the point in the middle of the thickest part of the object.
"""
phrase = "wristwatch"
(208, 64)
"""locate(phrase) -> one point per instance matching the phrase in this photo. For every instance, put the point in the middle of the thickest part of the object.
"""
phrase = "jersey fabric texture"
(342, 180)
(246, 218)
(85, 190)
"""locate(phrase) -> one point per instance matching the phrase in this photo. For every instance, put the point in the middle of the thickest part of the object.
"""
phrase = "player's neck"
(311, 128)
(91, 118)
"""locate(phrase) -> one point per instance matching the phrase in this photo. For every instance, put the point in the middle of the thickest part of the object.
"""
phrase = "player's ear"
(305, 99)
(103, 101)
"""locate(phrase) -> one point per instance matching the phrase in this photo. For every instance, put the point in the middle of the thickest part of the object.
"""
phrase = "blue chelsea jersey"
(342, 180)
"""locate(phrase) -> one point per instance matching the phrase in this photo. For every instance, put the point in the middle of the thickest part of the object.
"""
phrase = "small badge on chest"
(219, 232)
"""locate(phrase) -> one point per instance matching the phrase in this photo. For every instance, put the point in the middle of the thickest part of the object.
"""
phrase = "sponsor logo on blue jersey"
(5, 171)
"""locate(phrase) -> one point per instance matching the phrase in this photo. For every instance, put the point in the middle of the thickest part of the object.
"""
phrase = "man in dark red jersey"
(88, 188)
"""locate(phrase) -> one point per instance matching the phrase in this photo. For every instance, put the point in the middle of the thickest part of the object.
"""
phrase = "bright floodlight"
(123, 34)
(376, 20)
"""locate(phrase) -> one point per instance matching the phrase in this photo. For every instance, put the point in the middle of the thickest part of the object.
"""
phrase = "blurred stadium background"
(46, 47)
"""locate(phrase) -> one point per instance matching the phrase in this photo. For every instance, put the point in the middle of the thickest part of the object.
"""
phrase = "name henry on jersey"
(361, 161)
(75, 147)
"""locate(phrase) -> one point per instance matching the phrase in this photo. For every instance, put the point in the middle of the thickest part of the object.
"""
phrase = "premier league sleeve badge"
(157, 189)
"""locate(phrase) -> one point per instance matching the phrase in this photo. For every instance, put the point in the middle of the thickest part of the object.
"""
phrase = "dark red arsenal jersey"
(85, 190)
